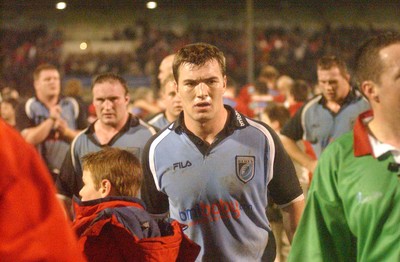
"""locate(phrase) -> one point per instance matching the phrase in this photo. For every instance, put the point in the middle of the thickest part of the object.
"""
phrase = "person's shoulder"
(340, 147)
(155, 118)
(136, 122)
(315, 100)
(81, 137)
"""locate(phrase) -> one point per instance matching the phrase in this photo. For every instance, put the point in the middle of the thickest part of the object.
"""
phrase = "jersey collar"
(235, 121)
(131, 122)
(351, 96)
(362, 145)
(366, 144)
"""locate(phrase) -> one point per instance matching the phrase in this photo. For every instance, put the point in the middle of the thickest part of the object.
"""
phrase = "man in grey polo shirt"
(115, 127)
(326, 116)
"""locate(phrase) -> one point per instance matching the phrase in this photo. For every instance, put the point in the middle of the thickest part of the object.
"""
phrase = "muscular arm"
(36, 135)
(291, 217)
(297, 154)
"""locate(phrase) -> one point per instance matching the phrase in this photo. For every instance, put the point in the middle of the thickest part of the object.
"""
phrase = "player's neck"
(170, 117)
(49, 101)
(208, 130)
(387, 132)
(105, 132)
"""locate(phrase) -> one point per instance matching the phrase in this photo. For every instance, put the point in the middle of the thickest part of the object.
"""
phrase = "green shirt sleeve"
(323, 233)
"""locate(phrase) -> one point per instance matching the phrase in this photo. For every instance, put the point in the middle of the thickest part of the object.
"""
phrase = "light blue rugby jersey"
(315, 123)
(132, 137)
(33, 112)
(220, 191)
(159, 121)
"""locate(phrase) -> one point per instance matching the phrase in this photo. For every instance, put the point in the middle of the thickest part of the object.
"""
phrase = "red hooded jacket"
(120, 229)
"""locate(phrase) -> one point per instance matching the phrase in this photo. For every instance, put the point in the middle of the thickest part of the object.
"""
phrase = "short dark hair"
(299, 90)
(110, 77)
(198, 54)
(368, 63)
(277, 112)
(327, 62)
(12, 101)
(41, 68)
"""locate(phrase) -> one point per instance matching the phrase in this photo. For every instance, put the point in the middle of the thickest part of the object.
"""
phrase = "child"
(111, 222)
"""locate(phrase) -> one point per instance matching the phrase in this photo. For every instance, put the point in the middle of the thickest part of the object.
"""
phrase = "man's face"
(388, 90)
(201, 89)
(333, 84)
(173, 103)
(89, 191)
(165, 68)
(110, 102)
(48, 83)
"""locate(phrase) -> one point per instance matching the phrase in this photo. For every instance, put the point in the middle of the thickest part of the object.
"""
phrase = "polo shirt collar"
(362, 145)
(366, 144)
(132, 121)
(348, 99)
(235, 121)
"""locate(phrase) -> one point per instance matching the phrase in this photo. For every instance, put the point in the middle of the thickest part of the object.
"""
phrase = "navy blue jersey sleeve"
(82, 122)
(21, 118)
(284, 186)
(67, 182)
(293, 128)
(156, 201)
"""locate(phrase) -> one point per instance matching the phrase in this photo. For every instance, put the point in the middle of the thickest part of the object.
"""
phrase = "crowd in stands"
(293, 51)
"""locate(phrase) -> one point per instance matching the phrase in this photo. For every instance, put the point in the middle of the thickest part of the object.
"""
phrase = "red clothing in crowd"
(33, 226)
(119, 229)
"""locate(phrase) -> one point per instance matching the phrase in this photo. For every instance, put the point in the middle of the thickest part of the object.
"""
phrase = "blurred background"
(87, 37)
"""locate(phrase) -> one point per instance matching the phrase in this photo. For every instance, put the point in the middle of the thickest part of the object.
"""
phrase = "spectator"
(7, 110)
(276, 115)
(144, 105)
(325, 117)
(353, 207)
(32, 225)
(296, 95)
(73, 88)
(112, 223)
(214, 167)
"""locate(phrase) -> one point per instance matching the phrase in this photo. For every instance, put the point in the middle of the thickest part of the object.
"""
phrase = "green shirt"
(353, 207)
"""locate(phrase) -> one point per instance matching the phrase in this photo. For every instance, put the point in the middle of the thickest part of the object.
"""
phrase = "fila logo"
(181, 165)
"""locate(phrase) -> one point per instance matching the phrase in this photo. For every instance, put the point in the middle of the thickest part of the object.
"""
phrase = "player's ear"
(370, 90)
(105, 188)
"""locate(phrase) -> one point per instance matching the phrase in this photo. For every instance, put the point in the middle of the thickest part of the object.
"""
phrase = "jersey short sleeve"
(156, 201)
(284, 186)
(67, 182)
(293, 129)
(22, 119)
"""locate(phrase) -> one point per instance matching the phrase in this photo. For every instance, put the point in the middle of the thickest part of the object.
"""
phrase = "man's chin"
(109, 122)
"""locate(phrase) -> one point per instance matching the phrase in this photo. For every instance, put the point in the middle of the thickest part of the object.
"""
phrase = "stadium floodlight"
(61, 5)
(151, 5)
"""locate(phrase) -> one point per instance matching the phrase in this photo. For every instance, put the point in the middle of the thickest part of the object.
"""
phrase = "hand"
(55, 112)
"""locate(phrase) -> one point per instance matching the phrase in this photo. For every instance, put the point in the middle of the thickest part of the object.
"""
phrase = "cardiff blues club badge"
(245, 168)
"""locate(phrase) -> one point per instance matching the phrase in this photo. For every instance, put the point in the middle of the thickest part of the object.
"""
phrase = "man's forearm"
(291, 217)
(36, 135)
(297, 154)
